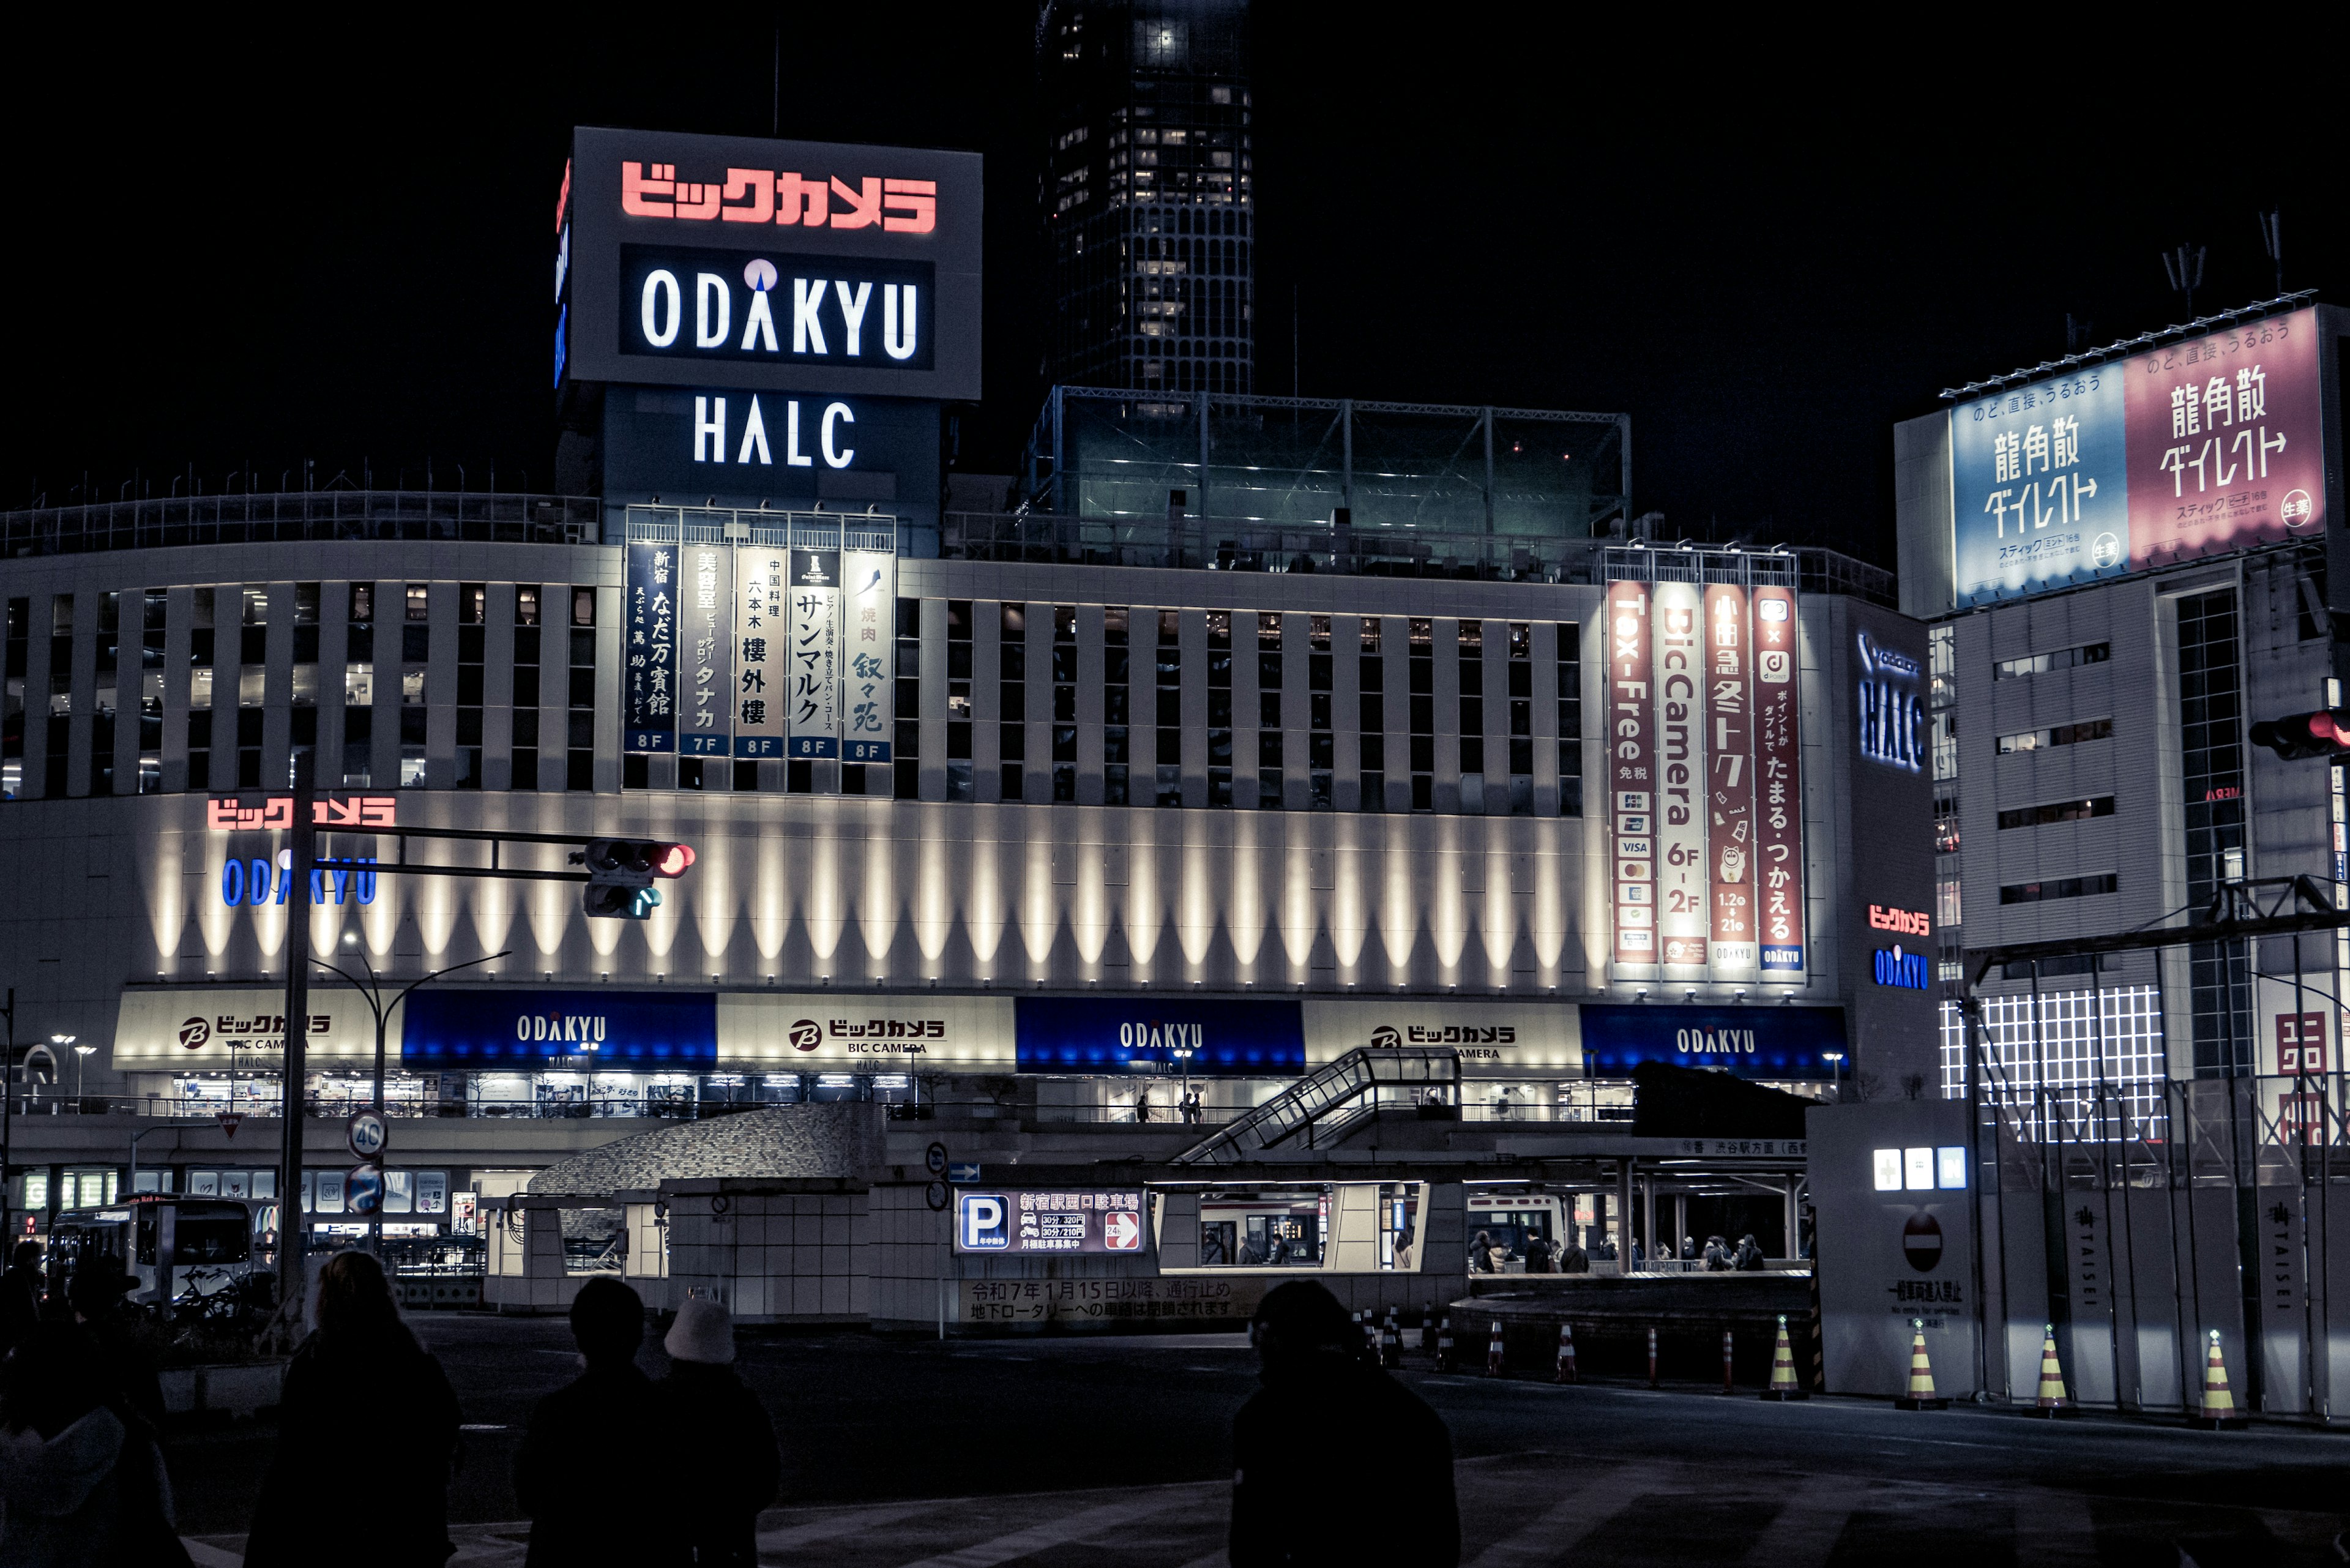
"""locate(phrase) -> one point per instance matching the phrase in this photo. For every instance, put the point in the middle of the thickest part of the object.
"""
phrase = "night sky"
(234, 248)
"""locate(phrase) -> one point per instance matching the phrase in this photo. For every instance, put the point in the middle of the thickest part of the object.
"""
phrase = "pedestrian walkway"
(1518, 1511)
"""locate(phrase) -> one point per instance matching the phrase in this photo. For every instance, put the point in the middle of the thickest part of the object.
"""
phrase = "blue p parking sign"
(980, 1222)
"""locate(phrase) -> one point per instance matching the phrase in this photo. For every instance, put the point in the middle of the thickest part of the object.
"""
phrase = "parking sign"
(979, 1223)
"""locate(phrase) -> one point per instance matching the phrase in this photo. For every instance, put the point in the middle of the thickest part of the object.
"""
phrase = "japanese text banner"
(868, 630)
(759, 631)
(649, 669)
(814, 689)
(707, 633)
(1631, 792)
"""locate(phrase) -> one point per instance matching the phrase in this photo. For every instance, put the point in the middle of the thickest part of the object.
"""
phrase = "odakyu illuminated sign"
(1903, 971)
(1892, 716)
(256, 882)
(669, 272)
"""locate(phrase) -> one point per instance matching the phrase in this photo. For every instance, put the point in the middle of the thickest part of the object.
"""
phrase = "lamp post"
(1834, 1059)
(82, 1055)
(371, 992)
(1183, 1056)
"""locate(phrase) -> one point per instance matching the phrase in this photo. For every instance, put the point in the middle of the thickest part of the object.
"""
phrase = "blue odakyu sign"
(1764, 1042)
(1141, 1034)
(464, 1028)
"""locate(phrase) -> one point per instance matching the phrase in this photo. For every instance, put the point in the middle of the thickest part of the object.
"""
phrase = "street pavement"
(1066, 1451)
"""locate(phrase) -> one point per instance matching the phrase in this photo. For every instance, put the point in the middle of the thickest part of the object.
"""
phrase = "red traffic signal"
(631, 862)
(2324, 734)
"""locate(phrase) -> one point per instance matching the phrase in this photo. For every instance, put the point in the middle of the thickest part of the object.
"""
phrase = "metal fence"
(423, 515)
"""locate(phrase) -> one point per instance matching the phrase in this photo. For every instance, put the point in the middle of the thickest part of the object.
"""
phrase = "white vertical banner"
(705, 645)
(868, 727)
(1684, 905)
(813, 687)
(761, 630)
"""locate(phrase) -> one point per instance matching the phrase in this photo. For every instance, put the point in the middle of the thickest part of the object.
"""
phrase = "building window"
(1169, 788)
(12, 714)
(2057, 811)
(473, 613)
(1012, 692)
(959, 720)
(2058, 887)
(1371, 716)
(580, 772)
(908, 752)
(2042, 663)
(201, 636)
(1570, 719)
(1064, 702)
(1471, 686)
(1422, 661)
(1118, 670)
(522, 753)
(2212, 764)
(2059, 735)
(1219, 707)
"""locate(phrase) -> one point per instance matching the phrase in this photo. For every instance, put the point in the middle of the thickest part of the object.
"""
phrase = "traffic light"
(2324, 734)
(620, 873)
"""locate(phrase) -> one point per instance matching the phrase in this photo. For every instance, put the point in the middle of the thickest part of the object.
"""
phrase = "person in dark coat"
(595, 1444)
(1328, 1428)
(82, 1479)
(96, 1293)
(363, 1404)
(718, 1434)
(20, 1295)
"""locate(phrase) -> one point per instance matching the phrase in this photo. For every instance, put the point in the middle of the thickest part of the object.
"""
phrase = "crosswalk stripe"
(846, 1521)
(1593, 1501)
(1053, 1533)
(2055, 1528)
(1806, 1529)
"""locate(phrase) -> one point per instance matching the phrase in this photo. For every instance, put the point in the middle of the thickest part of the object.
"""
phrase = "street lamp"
(1183, 1056)
(371, 992)
(1834, 1059)
(82, 1055)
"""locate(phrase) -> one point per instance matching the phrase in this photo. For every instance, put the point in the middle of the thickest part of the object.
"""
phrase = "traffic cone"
(1493, 1351)
(2053, 1402)
(1428, 1330)
(1784, 1385)
(1391, 1341)
(1445, 1359)
(1652, 1358)
(1725, 1361)
(2219, 1412)
(1567, 1352)
(1921, 1394)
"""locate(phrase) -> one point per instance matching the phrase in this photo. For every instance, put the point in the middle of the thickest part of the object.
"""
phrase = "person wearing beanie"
(1328, 1427)
(718, 1432)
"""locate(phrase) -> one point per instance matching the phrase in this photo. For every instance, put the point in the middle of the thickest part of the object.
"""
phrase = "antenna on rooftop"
(2273, 242)
(2184, 267)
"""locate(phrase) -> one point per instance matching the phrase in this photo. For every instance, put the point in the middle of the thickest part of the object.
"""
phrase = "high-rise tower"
(1148, 201)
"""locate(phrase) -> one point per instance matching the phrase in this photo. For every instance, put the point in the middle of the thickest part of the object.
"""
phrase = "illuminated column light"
(1146, 921)
(1297, 912)
(982, 908)
(876, 899)
(708, 888)
(167, 916)
(1399, 910)
(1195, 919)
(934, 903)
(1038, 919)
(771, 897)
(1448, 923)
(1349, 918)
(826, 918)
(1090, 909)
(1501, 922)
(1245, 916)
(1548, 918)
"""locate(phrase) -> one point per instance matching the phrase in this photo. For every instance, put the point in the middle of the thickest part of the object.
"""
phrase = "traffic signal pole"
(292, 1225)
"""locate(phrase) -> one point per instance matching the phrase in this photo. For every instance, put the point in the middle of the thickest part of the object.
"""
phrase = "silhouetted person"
(96, 1293)
(20, 1295)
(1717, 1254)
(596, 1432)
(1481, 1253)
(81, 1479)
(719, 1436)
(363, 1403)
(1537, 1255)
(1329, 1427)
(1748, 1258)
(1573, 1259)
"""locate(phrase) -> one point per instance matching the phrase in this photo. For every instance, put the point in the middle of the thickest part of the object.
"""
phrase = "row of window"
(2043, 663)
(2056, 735)
(2058, 887)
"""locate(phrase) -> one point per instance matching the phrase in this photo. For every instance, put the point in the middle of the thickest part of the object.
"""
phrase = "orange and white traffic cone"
(1493, 1351)
(1445, 1358)
(1566, 1353)
(1652, 1358)
(1725, 1361)
(2052, 1401)
(1921, 1394)
(2219, 1412)
(1784, 1385)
